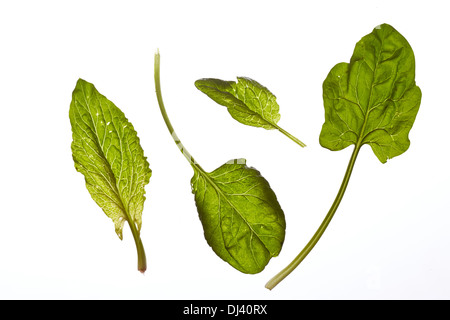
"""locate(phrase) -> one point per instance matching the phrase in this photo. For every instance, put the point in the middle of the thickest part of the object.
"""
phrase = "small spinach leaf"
(247, 101)
(240, 214)
(106, 150)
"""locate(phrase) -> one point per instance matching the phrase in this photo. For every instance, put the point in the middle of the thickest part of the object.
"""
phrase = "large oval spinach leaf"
(241, 217)
(372, 100)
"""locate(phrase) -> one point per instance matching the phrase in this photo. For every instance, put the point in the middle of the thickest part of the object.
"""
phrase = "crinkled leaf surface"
(373, 99)
(241, 217)
(106, 150)
(247, 101)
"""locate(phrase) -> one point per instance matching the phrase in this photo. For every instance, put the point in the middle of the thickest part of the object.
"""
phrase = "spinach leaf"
(240, 214)
(372, 100)
(247, 101)
(106, 150)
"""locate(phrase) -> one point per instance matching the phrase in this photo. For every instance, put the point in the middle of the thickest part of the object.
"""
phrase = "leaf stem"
(183, 150)
(290, 136)
(310, 245)
(142, 260)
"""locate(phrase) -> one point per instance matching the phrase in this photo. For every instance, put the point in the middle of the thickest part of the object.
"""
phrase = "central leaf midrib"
(362, 136)
(219, 191)
(116, 187)
(261, 115)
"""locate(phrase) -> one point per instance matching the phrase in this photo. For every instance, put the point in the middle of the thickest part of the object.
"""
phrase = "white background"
(390, 237)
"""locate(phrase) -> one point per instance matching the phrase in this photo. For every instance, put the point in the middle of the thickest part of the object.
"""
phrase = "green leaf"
(241, 217)
(106, 150)
(247, 101)
(240, 214)
(373, 99)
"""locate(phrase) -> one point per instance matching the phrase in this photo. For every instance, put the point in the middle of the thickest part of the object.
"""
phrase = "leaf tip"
(197, 83)
(81, 81)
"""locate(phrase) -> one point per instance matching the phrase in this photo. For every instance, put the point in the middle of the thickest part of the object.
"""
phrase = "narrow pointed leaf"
(107, 151)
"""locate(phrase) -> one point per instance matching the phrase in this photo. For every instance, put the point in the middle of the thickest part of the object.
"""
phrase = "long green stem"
(183, 150)
(302, 255)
